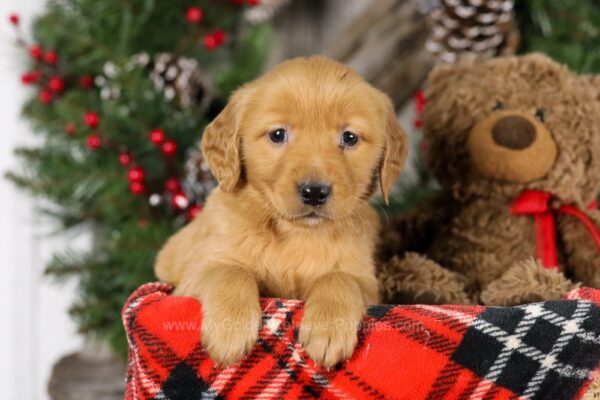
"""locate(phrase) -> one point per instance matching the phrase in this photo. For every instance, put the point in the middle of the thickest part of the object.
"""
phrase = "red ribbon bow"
(537, 203)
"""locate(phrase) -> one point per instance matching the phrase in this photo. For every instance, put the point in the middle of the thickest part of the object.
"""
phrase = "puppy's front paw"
(229, 333)
(329, 332)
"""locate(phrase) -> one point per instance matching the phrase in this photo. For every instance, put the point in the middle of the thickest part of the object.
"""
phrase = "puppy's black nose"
(314, 194)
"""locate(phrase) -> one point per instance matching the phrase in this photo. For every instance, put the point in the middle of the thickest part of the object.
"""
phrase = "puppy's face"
(311, 137)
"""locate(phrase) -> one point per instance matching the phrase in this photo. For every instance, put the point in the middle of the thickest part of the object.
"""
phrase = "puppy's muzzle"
(314, 193)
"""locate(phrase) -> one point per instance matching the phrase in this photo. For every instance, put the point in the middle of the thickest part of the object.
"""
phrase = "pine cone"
(264, 11)
(480, 28)
(182, 79)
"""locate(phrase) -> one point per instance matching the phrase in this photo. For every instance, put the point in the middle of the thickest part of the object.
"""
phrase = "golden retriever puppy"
(297, 154)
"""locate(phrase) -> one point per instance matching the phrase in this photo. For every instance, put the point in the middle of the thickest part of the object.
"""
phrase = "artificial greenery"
(88, 189)
(566, 30)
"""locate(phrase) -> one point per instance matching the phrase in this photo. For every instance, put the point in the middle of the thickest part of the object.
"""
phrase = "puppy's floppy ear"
(394, 153)
(221, 144)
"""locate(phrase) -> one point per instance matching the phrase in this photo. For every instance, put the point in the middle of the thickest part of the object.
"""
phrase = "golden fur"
(255, 236)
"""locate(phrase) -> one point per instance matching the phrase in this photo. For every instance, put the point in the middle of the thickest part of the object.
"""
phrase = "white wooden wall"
(35, 329)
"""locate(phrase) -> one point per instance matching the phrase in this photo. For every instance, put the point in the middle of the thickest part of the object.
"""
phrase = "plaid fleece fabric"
(547, 350)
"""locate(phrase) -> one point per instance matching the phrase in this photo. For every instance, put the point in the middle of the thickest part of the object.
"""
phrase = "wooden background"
(384, 40)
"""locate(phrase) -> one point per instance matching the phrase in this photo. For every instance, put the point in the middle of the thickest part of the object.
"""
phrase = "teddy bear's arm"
(582, 254)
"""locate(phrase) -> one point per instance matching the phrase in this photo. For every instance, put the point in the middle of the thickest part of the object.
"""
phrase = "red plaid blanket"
(547, 350)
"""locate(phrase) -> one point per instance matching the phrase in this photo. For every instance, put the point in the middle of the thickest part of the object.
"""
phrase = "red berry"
(419, 100)
(56, 84)
(194, 15)
(172, 185)
(94, 141)
(219, 36)
(180, 201)
(157, 136)
(215, 39)
(45, 96)
(14, 19)
(194, 210)
(31, 77)
(50, 57)
(135, 174)
(91, 119)
(86, 81)
(169, 147)
(253, 2)
(36, 52)
(420, 96)
(210, 42)
(70, 129)
(125, 158)
(137, 188)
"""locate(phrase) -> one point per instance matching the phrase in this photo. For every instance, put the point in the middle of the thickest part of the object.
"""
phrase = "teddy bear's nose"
(514, 132)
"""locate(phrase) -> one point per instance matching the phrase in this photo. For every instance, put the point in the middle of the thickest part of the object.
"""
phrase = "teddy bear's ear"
(592, 82)
(445, 76)
(536, 58)
(443, 72)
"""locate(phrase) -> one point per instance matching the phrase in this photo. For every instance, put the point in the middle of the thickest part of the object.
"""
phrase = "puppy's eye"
(348, 139)
(539, 114)
(278, 136)
(499, 106)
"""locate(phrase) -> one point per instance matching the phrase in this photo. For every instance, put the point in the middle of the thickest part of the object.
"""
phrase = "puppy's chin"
(305, 218)
(312, 219)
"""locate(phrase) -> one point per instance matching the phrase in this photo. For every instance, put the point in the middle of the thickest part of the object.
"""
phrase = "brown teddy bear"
(515, 146)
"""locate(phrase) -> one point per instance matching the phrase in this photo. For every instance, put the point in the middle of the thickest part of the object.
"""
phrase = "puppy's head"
(310, 137)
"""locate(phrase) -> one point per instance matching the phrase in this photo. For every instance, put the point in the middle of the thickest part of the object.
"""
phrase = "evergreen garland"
(566, 30)
(79, 167)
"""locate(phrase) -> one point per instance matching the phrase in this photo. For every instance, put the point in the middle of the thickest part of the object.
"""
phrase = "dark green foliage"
(89, 189)
(566, 30)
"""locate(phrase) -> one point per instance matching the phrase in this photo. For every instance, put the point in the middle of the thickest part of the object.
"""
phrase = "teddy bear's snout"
(512, 146)
(514, 132)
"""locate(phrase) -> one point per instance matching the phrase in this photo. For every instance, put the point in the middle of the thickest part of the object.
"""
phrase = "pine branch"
(88, 188)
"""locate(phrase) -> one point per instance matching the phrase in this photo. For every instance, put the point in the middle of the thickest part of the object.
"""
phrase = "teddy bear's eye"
(499, 106)
(539, 114)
